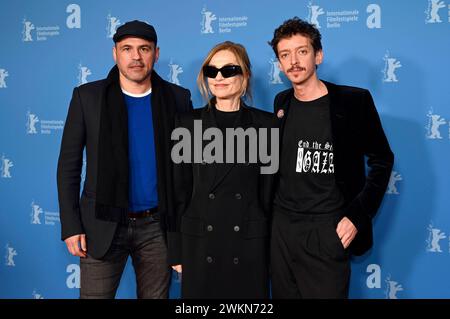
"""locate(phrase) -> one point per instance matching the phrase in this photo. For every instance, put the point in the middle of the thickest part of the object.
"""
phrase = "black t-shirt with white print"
(307, 181)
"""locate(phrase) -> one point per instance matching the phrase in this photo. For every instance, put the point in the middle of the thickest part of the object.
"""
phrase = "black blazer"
(81, 131)
(357, 133)
(222, 230)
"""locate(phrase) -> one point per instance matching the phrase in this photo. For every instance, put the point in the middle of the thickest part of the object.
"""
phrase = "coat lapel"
(208, 121)
(163, 110)
(282, 108)
(338, 123)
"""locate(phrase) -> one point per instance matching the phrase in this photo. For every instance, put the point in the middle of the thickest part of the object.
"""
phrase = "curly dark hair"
(296, 26)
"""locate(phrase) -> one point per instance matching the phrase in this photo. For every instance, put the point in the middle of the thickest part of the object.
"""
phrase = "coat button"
(238, 196)
(209, 259)
(236, 228)
(212, 196)
(209, 228)
(236, 260)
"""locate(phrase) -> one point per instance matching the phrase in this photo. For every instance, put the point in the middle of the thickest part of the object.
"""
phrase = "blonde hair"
(243, 61)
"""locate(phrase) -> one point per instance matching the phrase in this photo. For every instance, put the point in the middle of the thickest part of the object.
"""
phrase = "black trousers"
(143, 240)
(307, 257)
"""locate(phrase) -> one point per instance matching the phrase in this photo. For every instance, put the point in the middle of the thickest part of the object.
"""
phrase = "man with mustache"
(325, 201)
(124, 123)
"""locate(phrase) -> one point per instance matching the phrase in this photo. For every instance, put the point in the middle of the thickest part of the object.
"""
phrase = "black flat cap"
(137, 29)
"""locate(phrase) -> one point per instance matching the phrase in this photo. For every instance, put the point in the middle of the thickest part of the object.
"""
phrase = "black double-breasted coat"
(223, 214)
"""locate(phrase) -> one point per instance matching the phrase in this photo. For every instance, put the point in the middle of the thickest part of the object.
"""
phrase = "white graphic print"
(314, 157)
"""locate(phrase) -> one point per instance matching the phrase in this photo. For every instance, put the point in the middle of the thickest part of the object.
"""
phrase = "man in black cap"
(124, 122)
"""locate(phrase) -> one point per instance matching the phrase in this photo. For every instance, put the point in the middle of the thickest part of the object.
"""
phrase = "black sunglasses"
(227, 71)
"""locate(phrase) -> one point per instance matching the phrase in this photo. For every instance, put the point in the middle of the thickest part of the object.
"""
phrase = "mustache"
(136, 63)
(296, 68)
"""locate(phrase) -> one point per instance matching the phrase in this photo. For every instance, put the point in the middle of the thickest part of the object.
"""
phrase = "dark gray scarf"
(112, 179)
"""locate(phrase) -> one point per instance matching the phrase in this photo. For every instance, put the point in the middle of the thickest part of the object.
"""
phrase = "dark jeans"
(143, 240)
(307, 257)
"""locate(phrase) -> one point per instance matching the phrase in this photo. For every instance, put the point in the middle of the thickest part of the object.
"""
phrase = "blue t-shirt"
(141, 152)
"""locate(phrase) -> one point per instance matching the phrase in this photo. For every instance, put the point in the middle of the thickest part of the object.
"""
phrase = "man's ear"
(319, 57)
(114, 53)
(156, 54)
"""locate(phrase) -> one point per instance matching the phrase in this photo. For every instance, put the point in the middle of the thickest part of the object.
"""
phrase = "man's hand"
(76, 245)
(177, 268)
(346, 231)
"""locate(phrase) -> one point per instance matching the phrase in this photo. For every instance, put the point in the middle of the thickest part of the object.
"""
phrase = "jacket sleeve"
(183, 186)
(183, 101)
(380, 160)
(267, 186)
(69, 168)
(276, 103)
(189, 105)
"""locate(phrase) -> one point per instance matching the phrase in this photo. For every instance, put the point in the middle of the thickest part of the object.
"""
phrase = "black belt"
(143, 213)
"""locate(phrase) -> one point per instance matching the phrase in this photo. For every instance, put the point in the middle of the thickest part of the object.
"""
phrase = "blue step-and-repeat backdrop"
(399, 50)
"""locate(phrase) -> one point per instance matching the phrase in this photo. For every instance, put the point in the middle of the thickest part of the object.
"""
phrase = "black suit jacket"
(81, 131)
(357, 133)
